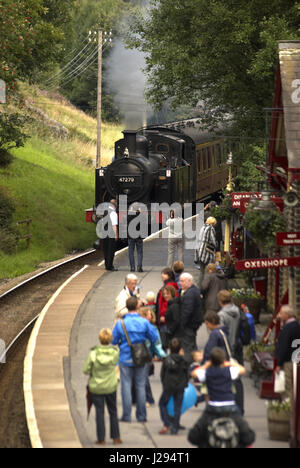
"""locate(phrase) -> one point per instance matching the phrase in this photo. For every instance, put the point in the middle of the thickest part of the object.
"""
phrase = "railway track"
(19, 308)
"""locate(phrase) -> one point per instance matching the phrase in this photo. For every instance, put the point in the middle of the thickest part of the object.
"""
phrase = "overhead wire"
(68, 65)
(80, 69)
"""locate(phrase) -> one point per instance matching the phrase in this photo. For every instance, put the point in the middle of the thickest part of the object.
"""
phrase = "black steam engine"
(168, 163)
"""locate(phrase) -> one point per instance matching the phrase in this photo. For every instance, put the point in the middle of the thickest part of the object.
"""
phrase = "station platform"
(96, 312)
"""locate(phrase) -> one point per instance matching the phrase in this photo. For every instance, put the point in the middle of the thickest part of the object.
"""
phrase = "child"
(174, 378)
(151, 300)
(178, 268)
(101, 367)
(219, 375)
(197, 357)
(156, 350)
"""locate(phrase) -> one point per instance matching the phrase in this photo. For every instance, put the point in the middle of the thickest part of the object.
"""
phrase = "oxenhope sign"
(288, 238)
(260, 263)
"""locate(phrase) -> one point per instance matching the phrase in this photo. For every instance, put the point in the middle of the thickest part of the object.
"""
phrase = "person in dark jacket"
(214, 281)
(174, 378)
(191, 312)
(173, 314)
(216, 339)
(288, 335)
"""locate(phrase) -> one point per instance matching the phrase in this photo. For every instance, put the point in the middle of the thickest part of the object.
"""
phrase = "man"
(109, 242)
(176, 237)
(206, 247)
(135, 236)
(214, 281)
(128, 291)
(230, 318)
(284, 347)
(139, 330)
(191, 312)
(216, 339)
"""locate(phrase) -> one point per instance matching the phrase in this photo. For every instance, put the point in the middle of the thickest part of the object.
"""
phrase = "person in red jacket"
(168, 278)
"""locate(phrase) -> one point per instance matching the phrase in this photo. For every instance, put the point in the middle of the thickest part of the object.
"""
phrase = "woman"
(168, 278)
(206, 247)
(173, 316)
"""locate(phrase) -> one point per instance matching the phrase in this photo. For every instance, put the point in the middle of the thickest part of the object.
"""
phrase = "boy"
(101, 367)
(174, 378)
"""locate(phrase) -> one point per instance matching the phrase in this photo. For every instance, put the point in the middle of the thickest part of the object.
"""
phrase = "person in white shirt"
(109, 242)
(128, 291)
(176, 238)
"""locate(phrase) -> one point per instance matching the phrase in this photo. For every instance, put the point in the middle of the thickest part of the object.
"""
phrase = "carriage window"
(204, 160)
(199, 162)
(208, 159)
(218, 155)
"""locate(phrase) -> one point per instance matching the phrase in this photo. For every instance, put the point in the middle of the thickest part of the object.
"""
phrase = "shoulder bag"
(139, 351)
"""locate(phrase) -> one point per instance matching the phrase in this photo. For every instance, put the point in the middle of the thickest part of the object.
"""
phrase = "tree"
(220, 52)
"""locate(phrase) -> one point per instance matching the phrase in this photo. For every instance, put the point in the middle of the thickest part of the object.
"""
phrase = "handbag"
(279, 382)
(139, 351)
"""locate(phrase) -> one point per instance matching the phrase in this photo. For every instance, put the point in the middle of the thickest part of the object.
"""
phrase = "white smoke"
(127, 81)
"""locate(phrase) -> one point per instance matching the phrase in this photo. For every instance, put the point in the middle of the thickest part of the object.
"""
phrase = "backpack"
(244, 330)
(223, 433)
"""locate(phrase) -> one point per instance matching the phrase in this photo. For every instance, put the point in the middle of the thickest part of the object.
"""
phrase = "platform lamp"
(229, 190)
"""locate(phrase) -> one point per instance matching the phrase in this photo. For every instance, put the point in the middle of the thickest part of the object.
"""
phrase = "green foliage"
(263, 226)
(30, 37)
(8, 235)
(221, 52)
(11, 131)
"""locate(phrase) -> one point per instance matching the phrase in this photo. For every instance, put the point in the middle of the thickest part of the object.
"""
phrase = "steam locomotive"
(164, 164)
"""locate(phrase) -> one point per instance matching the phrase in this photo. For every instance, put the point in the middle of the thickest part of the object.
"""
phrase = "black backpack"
(223, 433)
(244, 330)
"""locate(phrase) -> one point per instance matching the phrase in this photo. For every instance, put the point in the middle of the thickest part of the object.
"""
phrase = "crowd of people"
(163, 326)
(167, 323)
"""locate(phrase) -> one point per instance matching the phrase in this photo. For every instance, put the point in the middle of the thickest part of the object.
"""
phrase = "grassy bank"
(51, 181)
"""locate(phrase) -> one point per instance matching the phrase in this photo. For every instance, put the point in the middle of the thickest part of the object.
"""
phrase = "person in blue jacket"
(139, 330)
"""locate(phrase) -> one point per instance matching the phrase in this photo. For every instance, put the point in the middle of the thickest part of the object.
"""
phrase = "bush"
(11, 134)
(6, 210)
(8, 240)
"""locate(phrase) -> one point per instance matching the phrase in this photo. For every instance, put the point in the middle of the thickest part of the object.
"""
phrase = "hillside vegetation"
(51, 181)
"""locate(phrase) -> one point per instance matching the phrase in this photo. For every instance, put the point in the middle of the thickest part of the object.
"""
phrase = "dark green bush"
(8, 240)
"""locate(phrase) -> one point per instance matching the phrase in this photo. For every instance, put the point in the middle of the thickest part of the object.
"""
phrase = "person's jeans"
(137, 376)
(164, 399)
(111, 403)
(138, 243)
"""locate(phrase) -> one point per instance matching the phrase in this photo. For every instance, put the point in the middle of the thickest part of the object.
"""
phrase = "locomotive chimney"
(130, 141)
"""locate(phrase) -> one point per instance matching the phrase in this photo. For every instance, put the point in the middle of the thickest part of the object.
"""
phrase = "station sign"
(241, 200)
(2, 92)
(261, 263)
(287, 238)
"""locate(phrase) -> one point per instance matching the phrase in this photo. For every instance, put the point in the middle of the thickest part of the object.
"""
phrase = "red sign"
(241, 200)
(260, 263)
(288, 238)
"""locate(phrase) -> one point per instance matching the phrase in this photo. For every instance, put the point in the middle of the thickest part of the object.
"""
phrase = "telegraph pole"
(99, 97)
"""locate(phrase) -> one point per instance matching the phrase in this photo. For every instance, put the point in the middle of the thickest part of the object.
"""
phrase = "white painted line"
(28, 365)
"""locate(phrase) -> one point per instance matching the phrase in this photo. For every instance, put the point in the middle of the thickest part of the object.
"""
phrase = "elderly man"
(128, 291)
(191, 312)
(284, 347)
